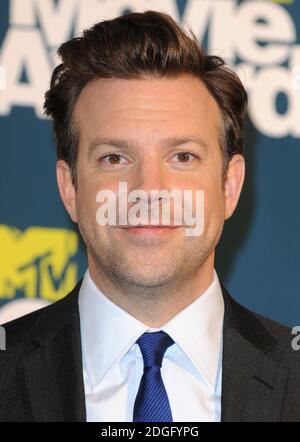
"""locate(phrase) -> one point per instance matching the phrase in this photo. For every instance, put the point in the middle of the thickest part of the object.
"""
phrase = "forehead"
(147, 107)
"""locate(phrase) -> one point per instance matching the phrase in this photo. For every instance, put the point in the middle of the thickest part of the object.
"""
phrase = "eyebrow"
(166, 142)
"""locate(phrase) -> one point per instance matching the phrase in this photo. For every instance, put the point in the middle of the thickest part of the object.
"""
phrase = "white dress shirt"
(113, 363)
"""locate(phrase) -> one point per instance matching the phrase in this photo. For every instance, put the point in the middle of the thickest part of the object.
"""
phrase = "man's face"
(145, 113)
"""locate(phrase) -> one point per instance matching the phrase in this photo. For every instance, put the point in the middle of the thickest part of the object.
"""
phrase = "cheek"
(86, 205)
(214, 206)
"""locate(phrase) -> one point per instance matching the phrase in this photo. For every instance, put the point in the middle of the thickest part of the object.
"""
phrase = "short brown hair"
(135, 46)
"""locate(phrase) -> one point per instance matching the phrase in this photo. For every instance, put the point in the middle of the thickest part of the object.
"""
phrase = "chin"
(149, 277)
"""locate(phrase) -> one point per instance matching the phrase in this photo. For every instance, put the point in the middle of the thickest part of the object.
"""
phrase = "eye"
(186, 157)
(112, 159)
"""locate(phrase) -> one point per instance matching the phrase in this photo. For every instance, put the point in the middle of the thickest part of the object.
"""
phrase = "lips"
(150, 227)
(149, 231)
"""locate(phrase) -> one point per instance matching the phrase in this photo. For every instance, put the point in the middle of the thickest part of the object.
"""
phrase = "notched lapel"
(253, 384)
(53, 369)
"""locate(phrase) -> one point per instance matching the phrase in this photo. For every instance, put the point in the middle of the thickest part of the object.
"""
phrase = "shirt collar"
(107, 329)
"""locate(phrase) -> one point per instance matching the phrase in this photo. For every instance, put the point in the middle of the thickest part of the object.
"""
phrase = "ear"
(66, 188)
(233, 184)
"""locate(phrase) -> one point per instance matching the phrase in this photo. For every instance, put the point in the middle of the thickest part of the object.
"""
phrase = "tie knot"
(153, 346)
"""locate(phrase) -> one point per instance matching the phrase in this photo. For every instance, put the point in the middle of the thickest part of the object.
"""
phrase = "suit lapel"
(253, 383)
(52, 369)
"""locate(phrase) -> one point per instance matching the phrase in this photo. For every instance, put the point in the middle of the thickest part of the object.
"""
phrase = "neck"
(156, 305)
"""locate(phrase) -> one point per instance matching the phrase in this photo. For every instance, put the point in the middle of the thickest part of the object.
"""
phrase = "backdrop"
(41, 254)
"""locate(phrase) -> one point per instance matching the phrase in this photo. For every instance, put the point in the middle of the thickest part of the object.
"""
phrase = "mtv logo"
(37, 262)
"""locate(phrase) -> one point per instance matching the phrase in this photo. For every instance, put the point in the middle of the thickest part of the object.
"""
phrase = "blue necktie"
(152, 403)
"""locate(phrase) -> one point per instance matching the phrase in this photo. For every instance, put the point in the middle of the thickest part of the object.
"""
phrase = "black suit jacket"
(41, 370)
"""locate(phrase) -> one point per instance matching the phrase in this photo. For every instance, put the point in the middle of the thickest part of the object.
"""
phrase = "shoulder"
(252, 318)
(267, 335)
(19, 331)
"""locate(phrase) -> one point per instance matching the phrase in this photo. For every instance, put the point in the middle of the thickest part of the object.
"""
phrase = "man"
(149, 334)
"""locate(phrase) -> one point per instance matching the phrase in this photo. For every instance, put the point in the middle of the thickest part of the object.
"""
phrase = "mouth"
(149, 229)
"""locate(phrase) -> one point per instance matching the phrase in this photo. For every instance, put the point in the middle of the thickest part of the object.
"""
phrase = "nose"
(150, 175)
(153, 175)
